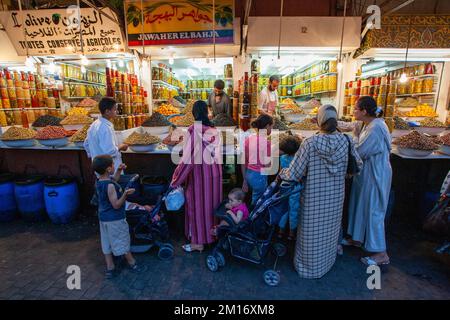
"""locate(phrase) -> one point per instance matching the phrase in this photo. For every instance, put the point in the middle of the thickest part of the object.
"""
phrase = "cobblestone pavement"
(34, 258)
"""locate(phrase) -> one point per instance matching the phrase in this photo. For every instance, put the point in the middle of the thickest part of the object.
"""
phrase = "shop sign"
(179, 22)
(57, 31)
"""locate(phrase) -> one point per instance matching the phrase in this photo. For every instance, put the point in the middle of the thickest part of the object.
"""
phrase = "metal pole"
(23, 26)
(279, 33)
(79, 23)
(342, 34)
(214, 29)
(142, 27)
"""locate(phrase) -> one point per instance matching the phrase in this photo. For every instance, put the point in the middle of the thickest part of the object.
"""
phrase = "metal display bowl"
(414, 152)
(445, 149)
(19, 143)
(143, 147)
(56, 143)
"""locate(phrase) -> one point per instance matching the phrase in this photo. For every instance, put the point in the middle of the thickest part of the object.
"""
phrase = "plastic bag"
(175, 199)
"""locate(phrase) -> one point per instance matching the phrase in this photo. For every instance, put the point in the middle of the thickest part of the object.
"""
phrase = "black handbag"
(352, 166)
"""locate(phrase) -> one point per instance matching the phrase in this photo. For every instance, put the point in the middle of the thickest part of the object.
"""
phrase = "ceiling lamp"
(84, 60)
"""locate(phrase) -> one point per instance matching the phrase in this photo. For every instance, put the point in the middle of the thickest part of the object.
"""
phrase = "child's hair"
(290, 145)
(101, 163)
(238, 193)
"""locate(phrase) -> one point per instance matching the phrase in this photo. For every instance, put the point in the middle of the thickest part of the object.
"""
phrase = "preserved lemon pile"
(77, 119)
(422, 110)
(167, 109)
(80, 135)
(141, 139)
(18, 133)
(78, 111)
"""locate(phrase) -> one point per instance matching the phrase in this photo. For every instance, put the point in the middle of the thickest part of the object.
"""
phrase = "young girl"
(288, 148)
(257, 152)
(237, 209)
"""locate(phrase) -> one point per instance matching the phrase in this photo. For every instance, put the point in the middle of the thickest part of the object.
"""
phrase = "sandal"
(351, 243)
(189, 248)
(368, 261)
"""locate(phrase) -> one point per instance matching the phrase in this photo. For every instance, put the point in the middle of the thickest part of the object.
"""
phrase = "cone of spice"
(80, 135)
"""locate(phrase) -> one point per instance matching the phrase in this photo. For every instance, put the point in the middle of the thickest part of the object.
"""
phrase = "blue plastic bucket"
(8, 207)
(29, 194)
(62, 199)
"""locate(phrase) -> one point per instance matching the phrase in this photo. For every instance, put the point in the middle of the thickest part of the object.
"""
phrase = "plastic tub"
(62, 199)
(29, 194)
(8, 207)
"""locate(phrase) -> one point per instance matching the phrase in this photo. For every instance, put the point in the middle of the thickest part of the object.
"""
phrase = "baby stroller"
(146, 233)
(251, 239)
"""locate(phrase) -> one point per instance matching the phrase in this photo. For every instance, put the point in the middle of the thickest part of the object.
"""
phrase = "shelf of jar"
(315, 77)
(73, 98)
(433, 75)
(196, 89)
(79, 81)
(314, 93)
(160, 82)
(416, 94)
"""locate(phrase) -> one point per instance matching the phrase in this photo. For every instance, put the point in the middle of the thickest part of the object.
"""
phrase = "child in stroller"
(237, 211)
(147, 225)
(251, 239)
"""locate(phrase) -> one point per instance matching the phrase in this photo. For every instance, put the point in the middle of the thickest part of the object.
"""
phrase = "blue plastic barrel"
(8, 206)
(153, 187)
(62, 199)
(29, 192)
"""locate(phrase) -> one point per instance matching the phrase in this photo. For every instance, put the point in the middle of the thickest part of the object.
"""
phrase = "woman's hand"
(245, 186)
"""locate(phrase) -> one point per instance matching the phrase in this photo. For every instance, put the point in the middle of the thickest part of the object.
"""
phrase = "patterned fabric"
(203, 191)
(321, 164)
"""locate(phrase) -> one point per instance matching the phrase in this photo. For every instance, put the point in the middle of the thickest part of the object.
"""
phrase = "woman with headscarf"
(369, 196)
(201, 173)
(321, 165)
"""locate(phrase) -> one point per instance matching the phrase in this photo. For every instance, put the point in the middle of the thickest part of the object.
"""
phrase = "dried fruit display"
(46, 120)
(293, 108)
(51, 132)
(141, 139)
(189, 107)
(306, 124)
(156, 120)
(416, 140)
(18, 133)
(88, 102)
(77, 119)
(80, 135)
(184, 121)
(401, 124)
(409, 102)
(446, 139)
(432, 123)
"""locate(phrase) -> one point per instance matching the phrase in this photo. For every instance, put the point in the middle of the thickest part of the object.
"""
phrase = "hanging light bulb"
(403, 78)
(29, 63)
(84, 60)
(121, 63)
(83, 69)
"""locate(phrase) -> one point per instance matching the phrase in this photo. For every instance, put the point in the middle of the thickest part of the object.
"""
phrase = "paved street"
(34, 258)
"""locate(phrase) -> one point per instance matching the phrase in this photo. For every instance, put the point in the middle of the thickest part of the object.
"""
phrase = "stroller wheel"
(165, 253)
(167, 244)
(271, 278)
(280, 249)
(220, 258)
(212, 263)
